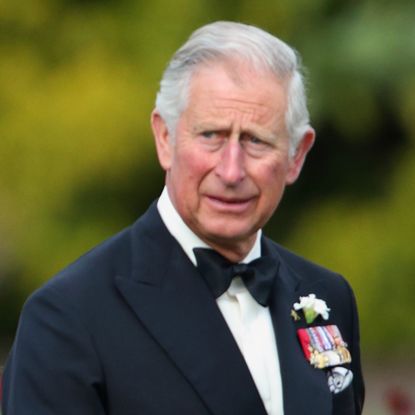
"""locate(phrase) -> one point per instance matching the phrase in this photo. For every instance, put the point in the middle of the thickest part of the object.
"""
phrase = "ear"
(163, 140)
(297, 160)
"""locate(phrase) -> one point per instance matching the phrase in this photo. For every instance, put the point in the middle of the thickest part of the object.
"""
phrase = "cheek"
(271, 180)
(271, 174)
(195, 165)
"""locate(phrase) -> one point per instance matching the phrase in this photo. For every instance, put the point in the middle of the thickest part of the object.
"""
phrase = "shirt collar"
(186, 237)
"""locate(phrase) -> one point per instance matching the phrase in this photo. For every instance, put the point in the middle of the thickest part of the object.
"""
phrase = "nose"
(231, 168)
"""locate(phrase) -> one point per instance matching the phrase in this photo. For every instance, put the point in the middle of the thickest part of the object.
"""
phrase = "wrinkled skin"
(228, 163)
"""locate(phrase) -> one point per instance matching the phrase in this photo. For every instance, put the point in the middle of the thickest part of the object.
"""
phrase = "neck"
(234, 251)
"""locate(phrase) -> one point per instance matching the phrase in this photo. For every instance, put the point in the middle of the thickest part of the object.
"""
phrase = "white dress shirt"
(249, 322)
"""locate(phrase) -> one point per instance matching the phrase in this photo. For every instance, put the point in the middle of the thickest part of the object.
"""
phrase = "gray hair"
(226, 40)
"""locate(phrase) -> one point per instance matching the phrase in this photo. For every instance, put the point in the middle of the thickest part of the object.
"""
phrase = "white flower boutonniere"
(312, 307)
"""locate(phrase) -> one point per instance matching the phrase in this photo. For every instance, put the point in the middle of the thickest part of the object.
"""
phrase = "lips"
(231, 205)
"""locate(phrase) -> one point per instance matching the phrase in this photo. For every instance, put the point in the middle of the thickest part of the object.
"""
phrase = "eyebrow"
(261, 133)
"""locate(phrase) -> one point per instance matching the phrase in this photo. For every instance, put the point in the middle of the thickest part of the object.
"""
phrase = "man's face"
(228, 164)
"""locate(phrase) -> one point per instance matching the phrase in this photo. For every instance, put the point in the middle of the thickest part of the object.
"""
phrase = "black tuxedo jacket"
(131, 328)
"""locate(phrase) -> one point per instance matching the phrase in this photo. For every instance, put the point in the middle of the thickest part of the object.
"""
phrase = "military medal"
(324, 346)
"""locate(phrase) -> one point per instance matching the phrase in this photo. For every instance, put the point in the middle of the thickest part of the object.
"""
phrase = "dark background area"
(77, 163)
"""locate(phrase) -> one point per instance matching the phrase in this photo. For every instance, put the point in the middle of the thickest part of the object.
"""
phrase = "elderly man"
(191, 310)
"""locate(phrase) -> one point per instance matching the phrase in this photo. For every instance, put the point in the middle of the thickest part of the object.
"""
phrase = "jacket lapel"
(295, 369)
(171, 299)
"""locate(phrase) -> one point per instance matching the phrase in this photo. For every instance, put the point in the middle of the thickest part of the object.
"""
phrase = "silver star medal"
(339, 378)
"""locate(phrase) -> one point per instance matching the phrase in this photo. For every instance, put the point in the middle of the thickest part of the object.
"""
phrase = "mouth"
(231, 204)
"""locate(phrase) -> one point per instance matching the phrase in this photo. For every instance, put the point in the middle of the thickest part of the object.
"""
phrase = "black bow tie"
(258, 275)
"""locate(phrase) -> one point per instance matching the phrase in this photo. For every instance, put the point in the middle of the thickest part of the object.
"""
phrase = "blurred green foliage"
(77, 84)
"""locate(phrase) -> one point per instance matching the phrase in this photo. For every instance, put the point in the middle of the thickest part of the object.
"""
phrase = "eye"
(210, 139)
(255, 140)
(208, 134)
(252, 140)
(254, 145)
(212, 136)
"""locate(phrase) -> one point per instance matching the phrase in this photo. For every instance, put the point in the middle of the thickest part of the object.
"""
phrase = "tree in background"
(77, 84)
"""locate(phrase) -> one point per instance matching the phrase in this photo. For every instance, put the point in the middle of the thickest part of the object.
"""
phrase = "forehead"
(238, 89)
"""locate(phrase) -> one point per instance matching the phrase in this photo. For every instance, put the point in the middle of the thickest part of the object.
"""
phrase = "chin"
(228, 234)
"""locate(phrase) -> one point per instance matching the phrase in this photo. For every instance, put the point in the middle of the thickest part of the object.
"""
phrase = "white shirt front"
(249, 322)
